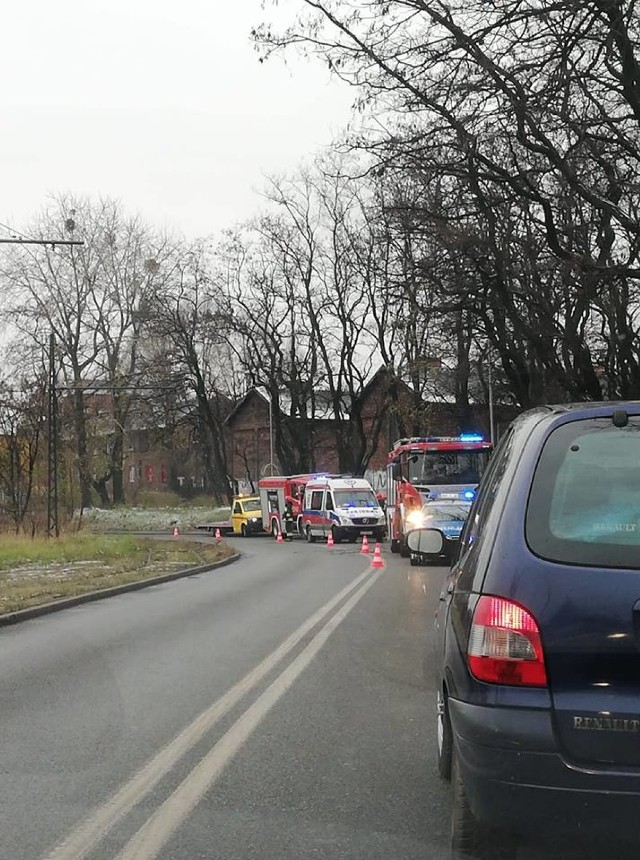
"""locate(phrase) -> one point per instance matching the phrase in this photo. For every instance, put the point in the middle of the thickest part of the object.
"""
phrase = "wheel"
(310, 538)
(444, 737)
(395, 545)
(470, 839)
(243, 529)
(404, 549)
(274, 528)
(337, 537)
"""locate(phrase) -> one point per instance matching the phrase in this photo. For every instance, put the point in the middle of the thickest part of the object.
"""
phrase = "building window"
(149, 474)
(132, 474)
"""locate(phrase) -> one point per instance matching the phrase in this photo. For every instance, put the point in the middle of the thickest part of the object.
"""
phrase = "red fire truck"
(423, 468)
(282, 501)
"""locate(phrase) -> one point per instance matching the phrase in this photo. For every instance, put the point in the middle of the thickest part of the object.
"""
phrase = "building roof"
(322, 404)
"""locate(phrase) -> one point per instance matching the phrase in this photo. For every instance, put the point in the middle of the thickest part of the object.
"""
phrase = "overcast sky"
(160, 103)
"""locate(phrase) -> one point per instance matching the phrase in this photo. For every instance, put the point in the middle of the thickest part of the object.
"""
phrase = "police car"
(446, 515)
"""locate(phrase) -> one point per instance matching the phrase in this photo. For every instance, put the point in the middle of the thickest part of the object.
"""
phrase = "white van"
(346, 507)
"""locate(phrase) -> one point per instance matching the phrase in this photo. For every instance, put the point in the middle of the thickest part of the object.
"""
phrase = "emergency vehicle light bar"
(464, 437)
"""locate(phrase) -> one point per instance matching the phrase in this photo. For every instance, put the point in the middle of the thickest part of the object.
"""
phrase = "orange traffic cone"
(218, 536)
(365, 546)
(176, 533)
(377, 561)
(330, 541)
(279, 539)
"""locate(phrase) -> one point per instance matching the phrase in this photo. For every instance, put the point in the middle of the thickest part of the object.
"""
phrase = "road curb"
(68, 602)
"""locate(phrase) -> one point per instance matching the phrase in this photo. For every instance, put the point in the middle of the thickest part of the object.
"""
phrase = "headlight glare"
(415, 519)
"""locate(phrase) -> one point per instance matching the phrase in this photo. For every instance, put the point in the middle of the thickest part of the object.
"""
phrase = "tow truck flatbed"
(225, 526)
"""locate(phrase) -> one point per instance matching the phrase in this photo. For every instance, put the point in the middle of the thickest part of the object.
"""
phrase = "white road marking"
(86, 835)
(159, 828)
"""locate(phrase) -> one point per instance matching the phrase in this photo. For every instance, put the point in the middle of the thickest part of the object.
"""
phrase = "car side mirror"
(426, 542)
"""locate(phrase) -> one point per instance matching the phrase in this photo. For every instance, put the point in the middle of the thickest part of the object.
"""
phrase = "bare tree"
(521, 120)
(94, 300)
(22, 429)
(186, 316)
(267, 327)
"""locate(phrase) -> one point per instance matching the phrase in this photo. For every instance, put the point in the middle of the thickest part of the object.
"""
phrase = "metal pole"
(257, 431)
(270, 437)
(53, 528)
(491, 430)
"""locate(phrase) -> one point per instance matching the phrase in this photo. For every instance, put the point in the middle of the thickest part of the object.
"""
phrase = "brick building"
(248, 443)
(160, 455)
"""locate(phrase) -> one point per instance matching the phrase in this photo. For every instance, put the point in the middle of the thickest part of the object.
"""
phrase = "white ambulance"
(346, 507)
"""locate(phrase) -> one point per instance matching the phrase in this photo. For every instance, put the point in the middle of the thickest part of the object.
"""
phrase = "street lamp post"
(53, 525)
(270, 435)
(491, 428)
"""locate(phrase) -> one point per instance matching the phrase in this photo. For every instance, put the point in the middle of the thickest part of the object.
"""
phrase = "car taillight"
(505, 645)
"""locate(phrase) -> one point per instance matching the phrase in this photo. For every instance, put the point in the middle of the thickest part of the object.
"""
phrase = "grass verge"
(37, 571)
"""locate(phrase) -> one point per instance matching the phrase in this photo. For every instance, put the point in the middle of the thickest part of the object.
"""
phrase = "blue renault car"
(538, 635)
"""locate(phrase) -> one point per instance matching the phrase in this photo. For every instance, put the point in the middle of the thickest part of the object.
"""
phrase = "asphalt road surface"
(276, 708)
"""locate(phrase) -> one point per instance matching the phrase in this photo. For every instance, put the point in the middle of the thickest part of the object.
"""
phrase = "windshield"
(458, 513)
(447, 467)
(251, 505)
(355, 499)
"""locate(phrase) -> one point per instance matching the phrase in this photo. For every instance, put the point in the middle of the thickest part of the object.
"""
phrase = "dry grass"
(37, 571)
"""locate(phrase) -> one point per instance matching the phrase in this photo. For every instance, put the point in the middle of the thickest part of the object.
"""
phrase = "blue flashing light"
(468, 494)
(471, 437)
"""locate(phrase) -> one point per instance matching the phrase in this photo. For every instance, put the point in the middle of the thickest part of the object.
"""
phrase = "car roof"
(340, 484)
(589, 407)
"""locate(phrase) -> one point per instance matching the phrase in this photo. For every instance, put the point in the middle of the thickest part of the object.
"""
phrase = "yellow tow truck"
(246, 515)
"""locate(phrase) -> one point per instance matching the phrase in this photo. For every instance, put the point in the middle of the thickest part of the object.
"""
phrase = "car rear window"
(584, 505)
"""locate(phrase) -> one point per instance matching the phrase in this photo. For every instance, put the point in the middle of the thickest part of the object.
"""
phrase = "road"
(276, 708)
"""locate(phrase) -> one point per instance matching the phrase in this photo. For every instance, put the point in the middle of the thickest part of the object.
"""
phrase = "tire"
(471, 840)
(337, 537)
(310, 538)
(243, 530)
(444, 737)
(395, 545)
(404, 549)
(274, 529)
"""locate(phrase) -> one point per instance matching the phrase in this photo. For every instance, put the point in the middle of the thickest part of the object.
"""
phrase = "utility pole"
(53, 523)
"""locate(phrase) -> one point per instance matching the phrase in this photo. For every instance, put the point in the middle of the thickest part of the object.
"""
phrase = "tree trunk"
(117, 467)
(100, 486)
